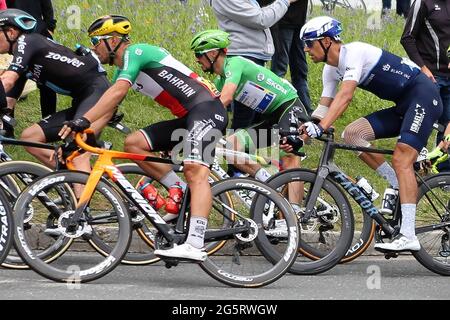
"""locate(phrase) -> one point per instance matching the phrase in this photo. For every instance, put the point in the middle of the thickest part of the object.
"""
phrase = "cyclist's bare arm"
(8, 79)
(104, 108)
(340, 103)
(322, 109)
(227, 94)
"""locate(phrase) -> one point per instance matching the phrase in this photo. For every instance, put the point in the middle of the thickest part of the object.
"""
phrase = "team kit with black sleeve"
(417, 101)
(154, 72)
(61, 69)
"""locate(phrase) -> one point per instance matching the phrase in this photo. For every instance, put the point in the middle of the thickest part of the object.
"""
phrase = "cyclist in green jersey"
(258, 88)
(152, 71)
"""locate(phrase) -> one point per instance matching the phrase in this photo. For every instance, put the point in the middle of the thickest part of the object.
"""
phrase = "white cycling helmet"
(321, 27)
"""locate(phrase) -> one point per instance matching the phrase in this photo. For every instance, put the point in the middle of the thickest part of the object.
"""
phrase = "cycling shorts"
(81, 104)
(412, 118)
(196, 133)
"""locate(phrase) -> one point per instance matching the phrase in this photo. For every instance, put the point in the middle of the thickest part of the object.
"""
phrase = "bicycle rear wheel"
(105, 216)
(327, 235)
(6, 226)
(249, 258)
(433, 224)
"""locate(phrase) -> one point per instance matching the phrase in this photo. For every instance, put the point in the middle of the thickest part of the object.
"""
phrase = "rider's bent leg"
(403, 160)
(36, 134)
(295, 189)
(201, 202)
(137, 143)
(360, 133)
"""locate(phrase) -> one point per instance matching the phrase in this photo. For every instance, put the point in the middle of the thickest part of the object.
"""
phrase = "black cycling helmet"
(18, 19)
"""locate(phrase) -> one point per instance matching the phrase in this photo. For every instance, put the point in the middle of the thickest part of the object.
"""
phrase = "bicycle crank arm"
(217, 235)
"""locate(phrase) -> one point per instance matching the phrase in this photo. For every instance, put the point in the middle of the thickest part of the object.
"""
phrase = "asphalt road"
(366, 278)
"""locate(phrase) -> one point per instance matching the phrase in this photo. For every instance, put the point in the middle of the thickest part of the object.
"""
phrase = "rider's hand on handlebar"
(313, 130)
(76, 125)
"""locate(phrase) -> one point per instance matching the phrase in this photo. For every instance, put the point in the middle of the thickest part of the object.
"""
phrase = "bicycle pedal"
(391, 254)
(170, 262)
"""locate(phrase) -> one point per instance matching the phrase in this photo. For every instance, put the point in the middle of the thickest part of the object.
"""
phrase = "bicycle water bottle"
(389, 200)
(82, 50)
(367, 188)
(173, 202)
(150, 193)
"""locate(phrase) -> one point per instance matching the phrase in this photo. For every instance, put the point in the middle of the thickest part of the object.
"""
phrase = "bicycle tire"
(276, 259)
(322, 261)
(15, 168)
(430, 236)
(6, 226)
(74, 268)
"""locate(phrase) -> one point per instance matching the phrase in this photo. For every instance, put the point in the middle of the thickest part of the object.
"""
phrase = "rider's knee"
(290, 162)
(134, 142)
(32, 134)
(194, 173)
(359, 133)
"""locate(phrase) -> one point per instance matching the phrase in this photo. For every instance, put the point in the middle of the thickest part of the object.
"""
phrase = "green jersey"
(257, 87)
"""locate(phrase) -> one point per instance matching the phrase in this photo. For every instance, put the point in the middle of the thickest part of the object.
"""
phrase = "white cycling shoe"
(400, 243)
(183, 251)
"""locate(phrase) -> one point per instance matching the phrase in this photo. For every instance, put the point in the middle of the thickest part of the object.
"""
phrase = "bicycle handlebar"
(84, 145)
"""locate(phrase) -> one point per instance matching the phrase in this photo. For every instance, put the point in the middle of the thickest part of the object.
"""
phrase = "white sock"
(262, 175)
(172, 178)
(408, 220)
(388, 173)
(197, 228)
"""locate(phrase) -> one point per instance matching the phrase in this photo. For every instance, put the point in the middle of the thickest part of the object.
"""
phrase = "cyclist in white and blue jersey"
(417, 105)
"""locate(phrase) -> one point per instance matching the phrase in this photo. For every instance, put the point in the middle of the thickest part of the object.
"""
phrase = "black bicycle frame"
(327, 167)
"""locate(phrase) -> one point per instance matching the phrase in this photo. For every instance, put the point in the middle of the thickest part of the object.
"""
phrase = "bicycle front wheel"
(433, 224)
(105, 216)
(328, 233)
(20, 174)
(249, 258)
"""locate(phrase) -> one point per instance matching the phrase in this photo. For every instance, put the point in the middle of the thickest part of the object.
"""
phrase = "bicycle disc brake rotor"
(328, 213)
(251, 234)
(63, 223)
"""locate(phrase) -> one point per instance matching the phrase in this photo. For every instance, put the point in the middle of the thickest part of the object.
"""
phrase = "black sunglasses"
(310, 43)
(198, 55)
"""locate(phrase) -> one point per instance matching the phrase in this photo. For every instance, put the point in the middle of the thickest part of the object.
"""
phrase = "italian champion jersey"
(152, 71)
